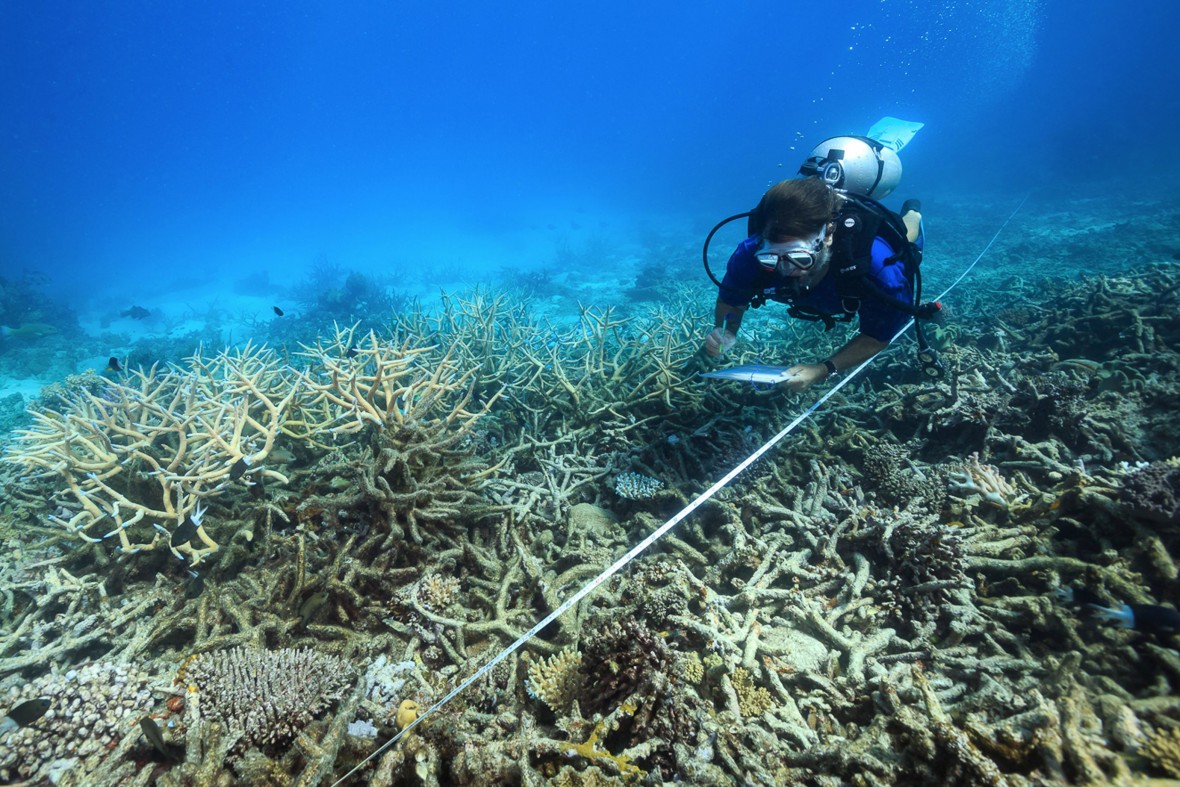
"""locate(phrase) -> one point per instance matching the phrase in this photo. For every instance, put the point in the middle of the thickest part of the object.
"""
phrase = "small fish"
(350, 352)
(312, 606)
(238, 468)
(183, 534)
(26, 713)
(136, 313)
(113, 365)
(152, 732)
(188, 528)
(1149, 618)
(195, 585)
(278, 311)
(407, 713)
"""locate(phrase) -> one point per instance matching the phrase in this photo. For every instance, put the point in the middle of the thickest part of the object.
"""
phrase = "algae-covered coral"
(874, 603)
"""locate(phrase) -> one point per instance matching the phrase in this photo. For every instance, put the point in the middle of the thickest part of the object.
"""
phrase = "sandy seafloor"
(881, 599)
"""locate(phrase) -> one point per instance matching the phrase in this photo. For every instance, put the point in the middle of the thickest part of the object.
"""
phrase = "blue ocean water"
(177, 173)
(152, 147)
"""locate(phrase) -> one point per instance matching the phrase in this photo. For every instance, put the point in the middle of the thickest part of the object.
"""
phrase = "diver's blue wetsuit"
(744, 277)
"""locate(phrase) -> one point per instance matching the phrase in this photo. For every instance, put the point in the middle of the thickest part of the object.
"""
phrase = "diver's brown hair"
(796, 209)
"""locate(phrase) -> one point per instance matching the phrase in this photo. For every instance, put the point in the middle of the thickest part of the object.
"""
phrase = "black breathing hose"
(709, 237)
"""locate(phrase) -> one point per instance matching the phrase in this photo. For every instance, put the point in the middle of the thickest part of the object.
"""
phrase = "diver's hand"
(802, 376)
(718, 342)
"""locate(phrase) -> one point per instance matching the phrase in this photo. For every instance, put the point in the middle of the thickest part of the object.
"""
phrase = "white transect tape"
(639, 548)
(975, 261)
(953, 284)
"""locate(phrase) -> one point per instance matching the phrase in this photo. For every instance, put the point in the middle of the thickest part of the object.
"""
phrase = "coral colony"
(258, 566)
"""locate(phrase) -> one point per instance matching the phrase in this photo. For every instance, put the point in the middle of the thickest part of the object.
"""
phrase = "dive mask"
(802, 255)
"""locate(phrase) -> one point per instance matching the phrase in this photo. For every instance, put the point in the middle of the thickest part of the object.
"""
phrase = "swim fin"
(894, 133)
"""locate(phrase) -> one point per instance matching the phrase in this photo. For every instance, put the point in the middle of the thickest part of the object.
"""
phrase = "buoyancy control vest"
(859, 221)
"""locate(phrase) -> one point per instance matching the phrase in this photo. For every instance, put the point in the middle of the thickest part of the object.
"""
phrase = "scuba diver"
(824, 245)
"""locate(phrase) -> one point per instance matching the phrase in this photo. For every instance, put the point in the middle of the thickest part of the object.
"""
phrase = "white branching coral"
(136, 458)
(368, 381)
(267, 695)
(388, 683)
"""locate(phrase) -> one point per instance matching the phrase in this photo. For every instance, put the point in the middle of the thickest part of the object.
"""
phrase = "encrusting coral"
(93, 709)
(752, 700)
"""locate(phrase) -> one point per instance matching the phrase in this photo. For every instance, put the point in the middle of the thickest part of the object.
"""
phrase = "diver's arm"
(727, 316)
(741, 274)
(856, 352)
(860, 349)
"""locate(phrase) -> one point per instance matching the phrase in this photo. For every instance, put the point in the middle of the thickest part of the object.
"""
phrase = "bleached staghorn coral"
(485, 330)
(137, 458)
(414, 403)
(371, 381)
(610, 366)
